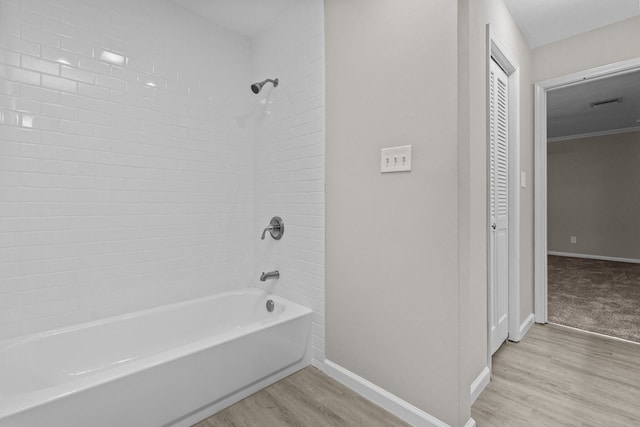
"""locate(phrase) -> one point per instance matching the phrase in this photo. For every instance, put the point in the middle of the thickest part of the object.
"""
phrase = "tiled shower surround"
(124, 187)
(289, 157)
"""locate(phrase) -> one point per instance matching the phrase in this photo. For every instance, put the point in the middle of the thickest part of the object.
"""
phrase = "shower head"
(257, 87)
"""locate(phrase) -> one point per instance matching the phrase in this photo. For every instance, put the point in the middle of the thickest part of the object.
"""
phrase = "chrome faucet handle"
(275, 228)
(264, 232)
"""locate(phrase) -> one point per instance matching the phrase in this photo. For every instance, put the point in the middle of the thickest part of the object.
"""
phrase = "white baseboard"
(526, 325)
(318, 364)
(480, 383)
(524, 328)
(600, 257)
(388, 401)
(470, 423)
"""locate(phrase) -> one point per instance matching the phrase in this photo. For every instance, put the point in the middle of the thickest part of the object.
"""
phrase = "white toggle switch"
(395, 159)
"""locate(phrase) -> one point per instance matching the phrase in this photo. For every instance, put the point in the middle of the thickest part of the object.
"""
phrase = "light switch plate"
(395, 159)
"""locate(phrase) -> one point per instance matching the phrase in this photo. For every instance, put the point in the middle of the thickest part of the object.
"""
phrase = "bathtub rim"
(9, 343)
(25, 401)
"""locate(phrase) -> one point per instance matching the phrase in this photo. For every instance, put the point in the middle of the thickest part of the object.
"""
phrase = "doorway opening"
(563, 148)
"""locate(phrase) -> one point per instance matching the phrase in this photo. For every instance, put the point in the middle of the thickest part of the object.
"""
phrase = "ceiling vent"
(605, 102)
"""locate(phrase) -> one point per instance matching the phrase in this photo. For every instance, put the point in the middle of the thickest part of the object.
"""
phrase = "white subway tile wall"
(128, 186)
(121, 187)
(289, 157)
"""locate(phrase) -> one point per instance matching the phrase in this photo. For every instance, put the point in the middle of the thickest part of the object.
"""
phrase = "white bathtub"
(169, 366)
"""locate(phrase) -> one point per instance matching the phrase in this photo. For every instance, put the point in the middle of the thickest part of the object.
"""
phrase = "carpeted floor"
(597, 296)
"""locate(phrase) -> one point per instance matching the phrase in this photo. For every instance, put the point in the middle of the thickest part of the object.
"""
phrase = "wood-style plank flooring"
(557, 376)
(307, 398)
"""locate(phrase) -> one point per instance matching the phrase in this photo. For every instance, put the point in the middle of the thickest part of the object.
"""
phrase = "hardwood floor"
(555, 376)
(307, 398)
(558, 376)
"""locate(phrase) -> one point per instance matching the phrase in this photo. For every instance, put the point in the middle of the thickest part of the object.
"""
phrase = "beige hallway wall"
(392, 239)
(406, 253)
(606, 45)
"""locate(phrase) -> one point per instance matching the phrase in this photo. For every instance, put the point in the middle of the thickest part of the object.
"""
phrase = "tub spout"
(270, 275)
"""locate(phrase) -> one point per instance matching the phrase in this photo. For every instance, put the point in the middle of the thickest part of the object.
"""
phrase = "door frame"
(540, 167)
(497, 50)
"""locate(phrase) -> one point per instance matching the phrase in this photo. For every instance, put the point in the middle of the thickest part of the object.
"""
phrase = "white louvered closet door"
(499, 206)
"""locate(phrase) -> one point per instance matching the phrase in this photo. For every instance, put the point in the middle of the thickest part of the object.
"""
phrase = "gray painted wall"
(392, 239)
(405, 261)
(594, 194)
(406, 253)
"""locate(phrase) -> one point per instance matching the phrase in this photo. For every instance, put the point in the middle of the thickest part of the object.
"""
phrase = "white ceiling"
(541, 21)
(547, 21)
(247, 17)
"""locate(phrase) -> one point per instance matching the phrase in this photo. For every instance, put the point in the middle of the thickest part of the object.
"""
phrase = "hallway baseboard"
(381, 397)
(599, 257)
(526, 325)
(524, 328)
(480, 383)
